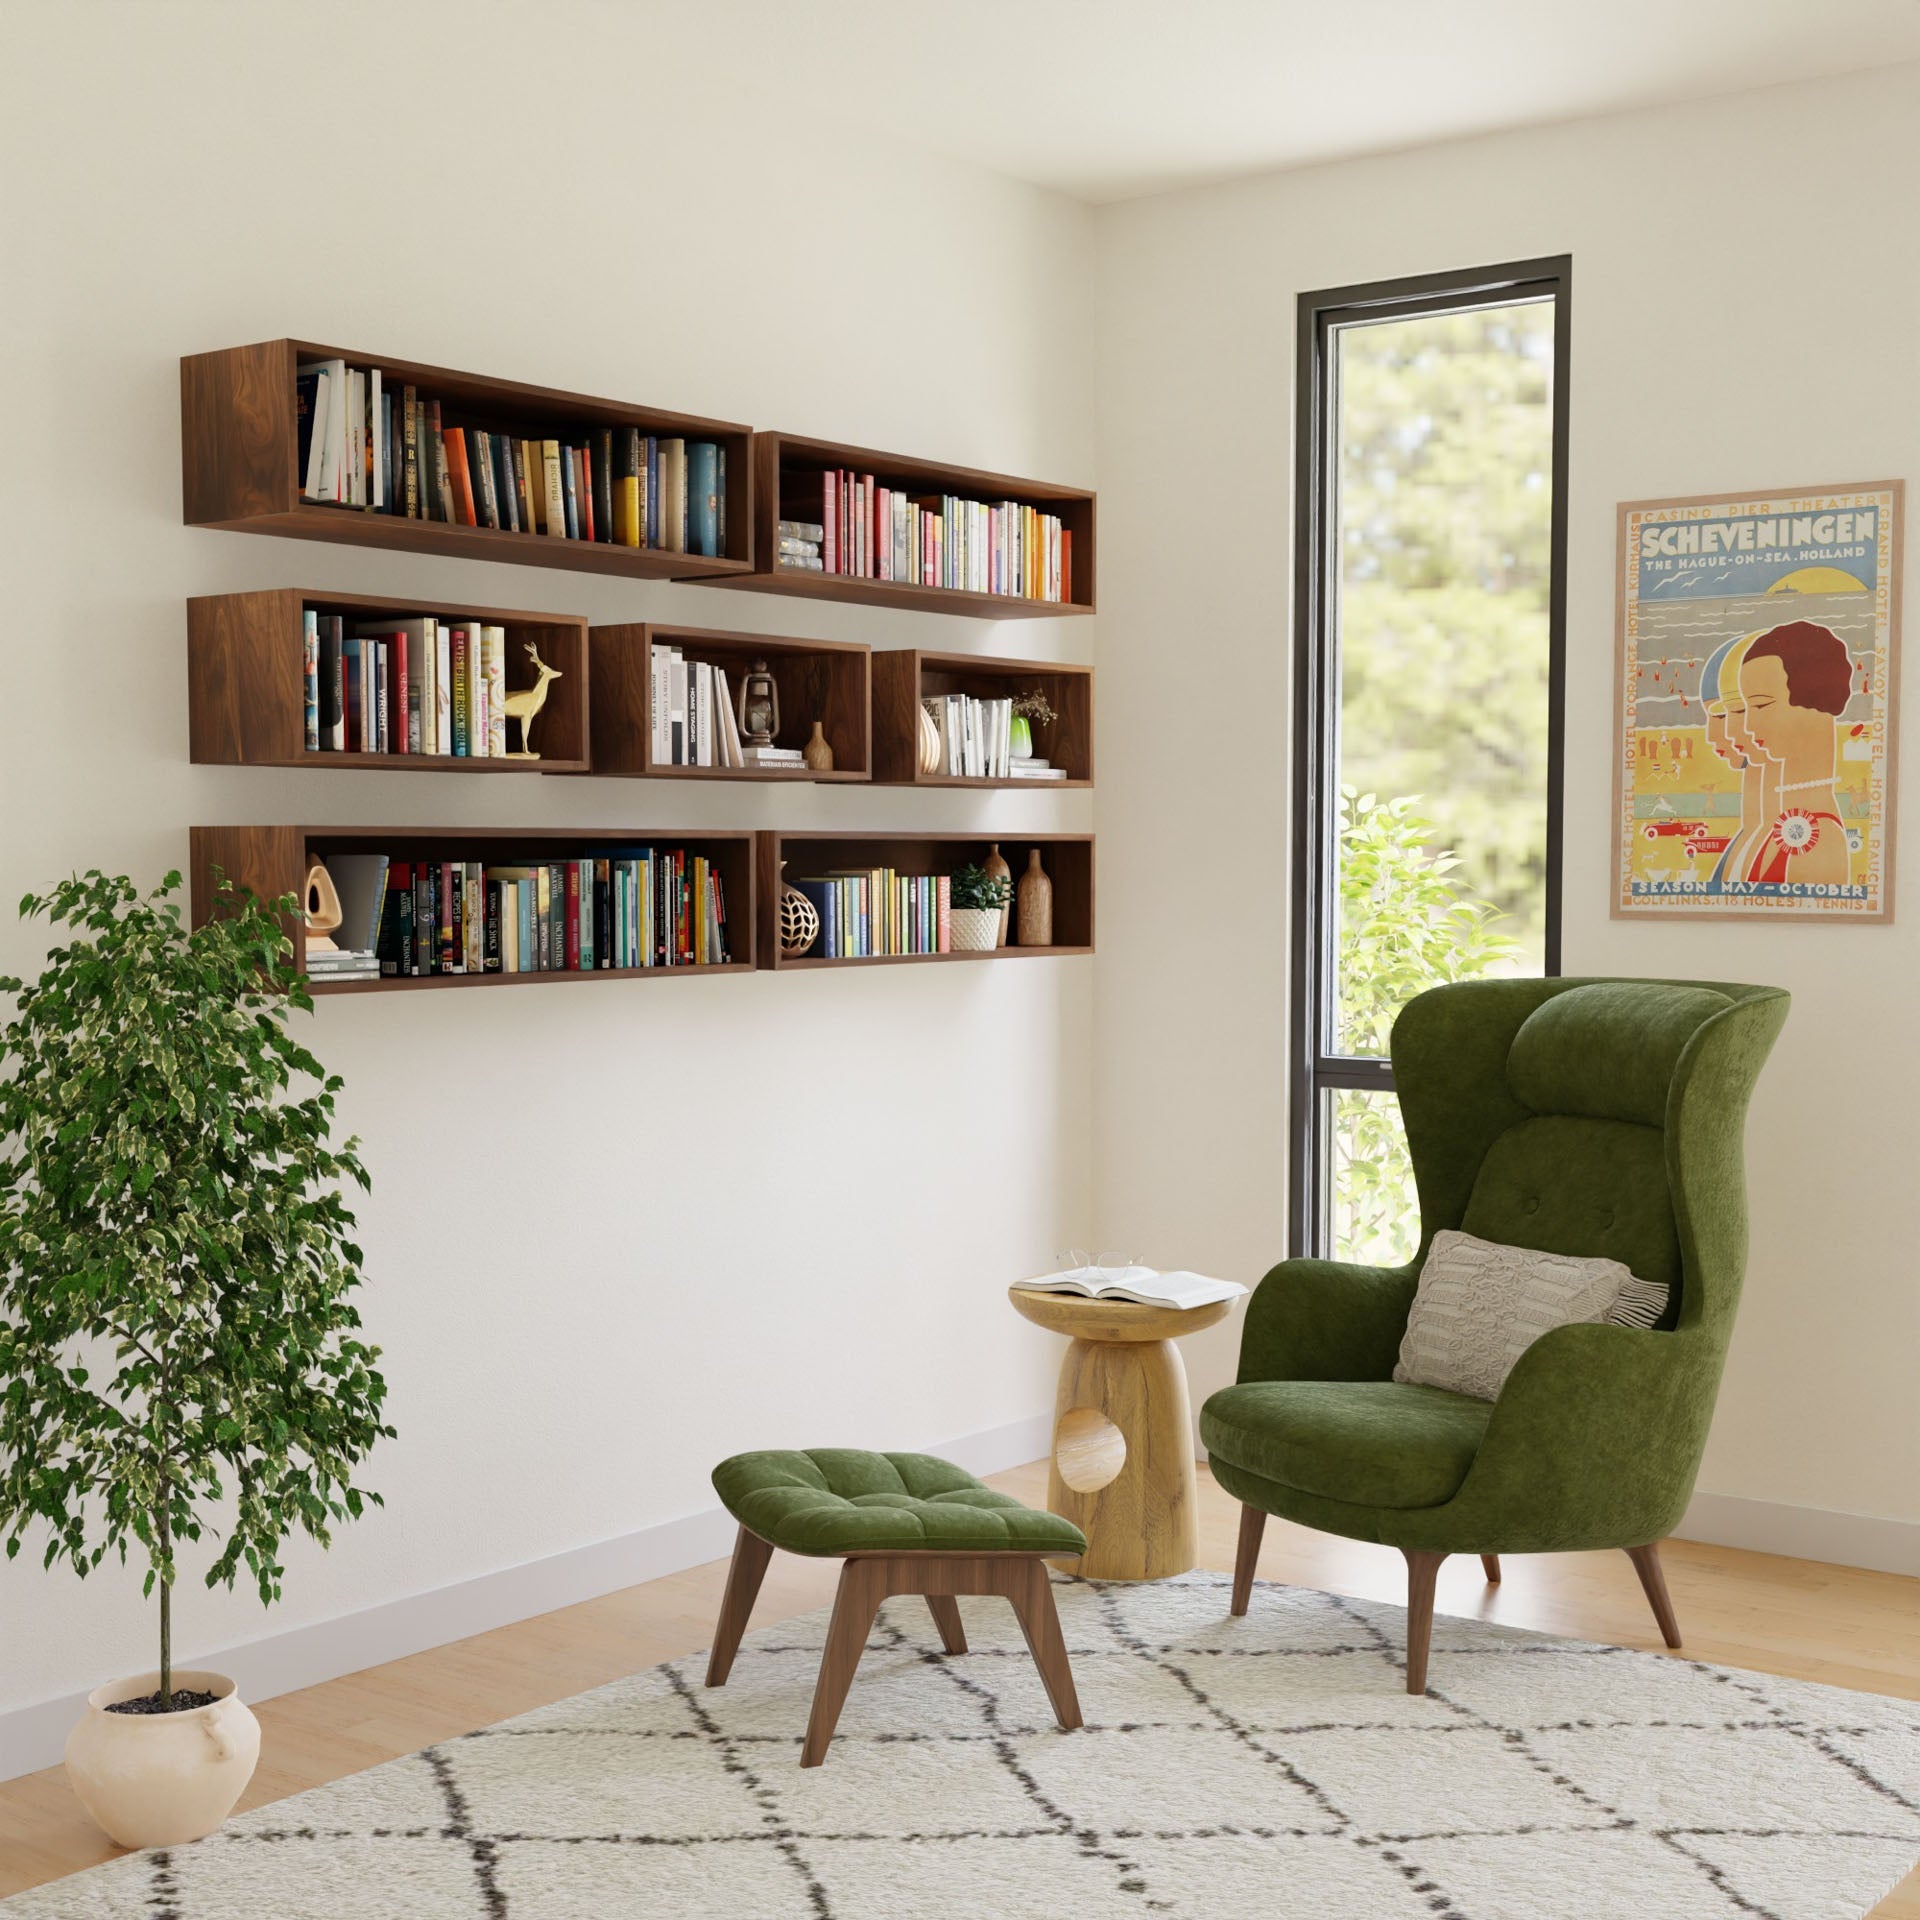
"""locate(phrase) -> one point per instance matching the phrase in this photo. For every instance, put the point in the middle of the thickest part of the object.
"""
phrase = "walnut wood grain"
(775, 454)
(239, 448)
(902, 677)
(1653, 1581)
(749, 1568)
(1246, 1558)
(246, 703)
(826, 680)
(1423, 1571)
(1067, 857)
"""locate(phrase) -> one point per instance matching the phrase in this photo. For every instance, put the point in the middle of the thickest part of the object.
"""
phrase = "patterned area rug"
(1270, 1767)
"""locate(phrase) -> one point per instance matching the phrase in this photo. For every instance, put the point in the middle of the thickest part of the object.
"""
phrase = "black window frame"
(1315, 1072)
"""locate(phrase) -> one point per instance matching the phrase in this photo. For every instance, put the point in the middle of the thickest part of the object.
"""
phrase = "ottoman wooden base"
(866, 1579)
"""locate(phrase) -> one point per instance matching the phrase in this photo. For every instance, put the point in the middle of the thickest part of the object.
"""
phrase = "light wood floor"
(1799, 1618)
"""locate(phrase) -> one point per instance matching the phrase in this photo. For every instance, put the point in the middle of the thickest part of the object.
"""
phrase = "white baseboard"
(34, 1737)
(1804, 1533)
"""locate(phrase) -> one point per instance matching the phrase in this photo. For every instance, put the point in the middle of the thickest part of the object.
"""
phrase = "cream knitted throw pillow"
(1480, 1306)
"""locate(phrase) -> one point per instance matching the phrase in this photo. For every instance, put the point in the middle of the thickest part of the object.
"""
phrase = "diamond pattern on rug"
(1271, 1766)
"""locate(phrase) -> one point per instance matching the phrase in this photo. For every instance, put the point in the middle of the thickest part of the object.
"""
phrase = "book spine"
(703, 513)
(490, 955)
(627, 528)
(555, 514)
(443, 691)
(830, 522)
(603, 484)
(400, 730)
(462, 698)
(478, 730)
(650, 492)
(720, 499)
(382, 696)
(570, 489)
(310, 676)
(473, 926)
(455, 443)
(409, 453)
(943, 910)
(355, 738)
(442, 476)
(495, 661)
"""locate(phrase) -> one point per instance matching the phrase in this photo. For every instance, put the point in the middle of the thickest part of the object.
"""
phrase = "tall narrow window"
(1429, 608)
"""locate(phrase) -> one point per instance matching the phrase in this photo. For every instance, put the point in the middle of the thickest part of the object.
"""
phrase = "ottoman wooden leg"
(946, 1616)
(863, 1585)
(1032, 1595)
(750, 1557)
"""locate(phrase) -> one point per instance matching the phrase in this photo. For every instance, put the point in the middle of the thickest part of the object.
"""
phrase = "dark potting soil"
(185, 1699)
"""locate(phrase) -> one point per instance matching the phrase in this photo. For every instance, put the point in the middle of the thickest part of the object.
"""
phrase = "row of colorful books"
(873, 912)
(416, 686)
(362, 445)
(876, 532)
(627, 908)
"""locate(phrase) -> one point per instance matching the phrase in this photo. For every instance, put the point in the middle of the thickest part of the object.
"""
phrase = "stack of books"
(694, 722)
(426, 685)
(799, 543)
(341, 963)
(363, 445)
(976, 736)
(877, 532)
(613, 909)
(868, 913)
(1031, 767)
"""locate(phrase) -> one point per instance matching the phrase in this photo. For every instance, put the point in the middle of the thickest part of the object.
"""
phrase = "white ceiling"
(1105, 99)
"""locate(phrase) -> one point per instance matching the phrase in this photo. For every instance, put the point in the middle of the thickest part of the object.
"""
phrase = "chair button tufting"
(1533, 1203)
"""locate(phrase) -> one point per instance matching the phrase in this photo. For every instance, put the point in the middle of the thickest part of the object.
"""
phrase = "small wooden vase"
(998, 869)
(1033, 925)
(817, 753)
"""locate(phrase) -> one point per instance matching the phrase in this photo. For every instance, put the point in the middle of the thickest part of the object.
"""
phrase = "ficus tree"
(178, 1345)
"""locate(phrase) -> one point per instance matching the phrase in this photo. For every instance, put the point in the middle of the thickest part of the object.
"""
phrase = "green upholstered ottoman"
(904, 1523)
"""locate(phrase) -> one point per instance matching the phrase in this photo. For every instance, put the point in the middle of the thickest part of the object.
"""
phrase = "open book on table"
(1142, 1285)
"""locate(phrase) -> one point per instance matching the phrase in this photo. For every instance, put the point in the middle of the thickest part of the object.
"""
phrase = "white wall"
(1745, 297)
(613, 1235)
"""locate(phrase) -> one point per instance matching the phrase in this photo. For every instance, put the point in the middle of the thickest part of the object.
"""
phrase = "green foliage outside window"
(1407, 922)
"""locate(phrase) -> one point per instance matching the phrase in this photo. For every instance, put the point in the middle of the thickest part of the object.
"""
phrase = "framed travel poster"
(1755, 730)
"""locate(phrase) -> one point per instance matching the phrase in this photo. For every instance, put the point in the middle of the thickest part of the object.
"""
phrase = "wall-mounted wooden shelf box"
(903, 678)
(1067, 858)
(246, 703)
(273, 861)
(240, 442)
(786, 470)
(825, 680)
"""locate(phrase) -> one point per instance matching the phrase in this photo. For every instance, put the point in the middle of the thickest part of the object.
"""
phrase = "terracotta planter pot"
(974, 929)
(162, 1779)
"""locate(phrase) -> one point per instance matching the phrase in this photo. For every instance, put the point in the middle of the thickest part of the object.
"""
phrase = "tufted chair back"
(1597, 1117)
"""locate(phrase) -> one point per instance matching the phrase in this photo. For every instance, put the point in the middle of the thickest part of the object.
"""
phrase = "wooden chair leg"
(749, 1568)
(946, 1616)
(1653, 1580)
(1490, 1566)
(1423, 1569)
(1032, 1595)
(1253, 1523)
(862, 1588)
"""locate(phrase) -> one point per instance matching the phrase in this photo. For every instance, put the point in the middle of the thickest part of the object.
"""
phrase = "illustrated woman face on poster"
(1795, 681)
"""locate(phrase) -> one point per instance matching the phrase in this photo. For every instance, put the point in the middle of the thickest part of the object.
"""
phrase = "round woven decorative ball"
(799, 922)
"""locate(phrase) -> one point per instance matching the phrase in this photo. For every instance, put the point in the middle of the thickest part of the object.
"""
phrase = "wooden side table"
(1122, 1465)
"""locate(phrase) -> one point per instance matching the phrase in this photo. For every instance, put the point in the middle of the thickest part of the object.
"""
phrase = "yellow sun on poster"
(1754, 777)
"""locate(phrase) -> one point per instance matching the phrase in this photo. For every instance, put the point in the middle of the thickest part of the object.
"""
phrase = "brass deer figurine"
(525, 705)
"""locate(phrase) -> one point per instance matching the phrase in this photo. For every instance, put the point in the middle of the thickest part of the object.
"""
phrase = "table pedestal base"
(1122, 1465)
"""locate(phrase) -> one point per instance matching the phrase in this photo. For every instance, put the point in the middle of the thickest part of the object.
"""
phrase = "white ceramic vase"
(973, 929)
(162, 1779)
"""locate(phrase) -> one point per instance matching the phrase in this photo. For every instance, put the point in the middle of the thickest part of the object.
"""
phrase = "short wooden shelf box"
(1067, 859)
(903, 678)
(824, 680)
(246, 700)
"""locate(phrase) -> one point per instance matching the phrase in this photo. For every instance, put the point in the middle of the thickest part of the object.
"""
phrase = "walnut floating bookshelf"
(240, 449)
(903, 678)
(246, 699)
(824, 680)
(787, 472)
(1067, 859)
(273, 861)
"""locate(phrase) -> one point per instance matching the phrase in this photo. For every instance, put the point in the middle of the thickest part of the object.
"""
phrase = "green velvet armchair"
(1591, 1117)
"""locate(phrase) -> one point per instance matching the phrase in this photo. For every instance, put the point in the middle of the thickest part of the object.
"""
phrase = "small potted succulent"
(977, 900)
(177, 1340)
